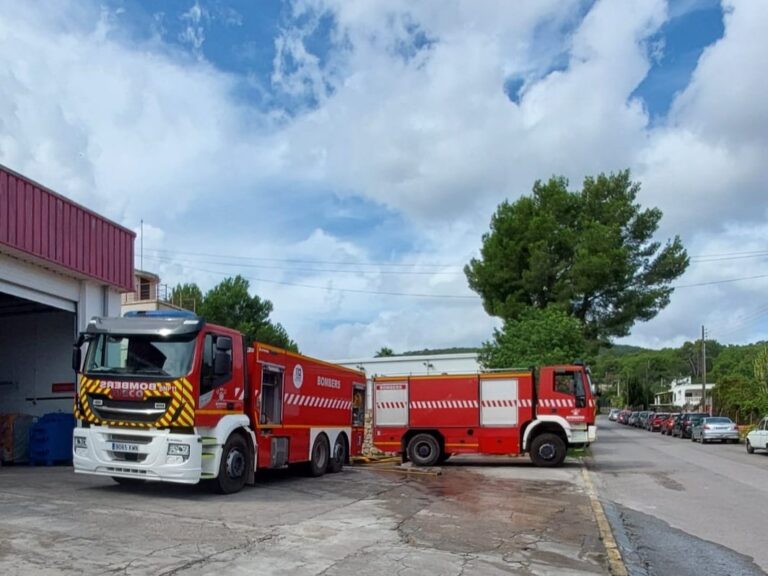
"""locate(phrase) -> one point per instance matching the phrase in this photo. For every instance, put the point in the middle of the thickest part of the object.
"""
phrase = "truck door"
(567, 396)
(271, 396)
(498, 401)
(221, 378)
(391, 403)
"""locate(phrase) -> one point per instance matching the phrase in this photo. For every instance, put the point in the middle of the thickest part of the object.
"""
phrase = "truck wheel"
(339, 455)
(547, 450)
(318, 463)
(233, 468)
(423, 450)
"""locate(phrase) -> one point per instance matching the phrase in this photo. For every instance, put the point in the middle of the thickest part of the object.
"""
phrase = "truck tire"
(339, 456)
(424, 450)
(320, 456)
(547, 450)
(233, 468)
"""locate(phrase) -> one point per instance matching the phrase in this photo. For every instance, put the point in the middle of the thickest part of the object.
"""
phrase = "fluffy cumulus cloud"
(392, 132)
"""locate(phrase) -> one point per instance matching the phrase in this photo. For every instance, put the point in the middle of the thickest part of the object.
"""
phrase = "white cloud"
(410, 113)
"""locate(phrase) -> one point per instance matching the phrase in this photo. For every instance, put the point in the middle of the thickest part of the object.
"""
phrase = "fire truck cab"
(169, 397)
(428, 418)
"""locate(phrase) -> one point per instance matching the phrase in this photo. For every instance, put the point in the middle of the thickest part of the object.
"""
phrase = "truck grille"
(146, 411)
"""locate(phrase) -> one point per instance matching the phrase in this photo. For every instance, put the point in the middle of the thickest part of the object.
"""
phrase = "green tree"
(384, 352)
(230, 304)
(538, 337)
(187, 295)
(590, 252)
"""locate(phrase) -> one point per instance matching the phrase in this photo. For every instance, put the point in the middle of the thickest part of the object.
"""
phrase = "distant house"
(682, 393)
(148, 294)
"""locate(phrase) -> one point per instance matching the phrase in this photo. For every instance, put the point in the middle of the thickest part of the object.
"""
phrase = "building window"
(144, 289)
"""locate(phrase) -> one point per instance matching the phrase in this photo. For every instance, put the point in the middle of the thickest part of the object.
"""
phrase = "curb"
(616, 564)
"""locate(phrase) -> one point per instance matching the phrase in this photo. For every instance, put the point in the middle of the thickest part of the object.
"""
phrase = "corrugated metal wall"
(39, 222)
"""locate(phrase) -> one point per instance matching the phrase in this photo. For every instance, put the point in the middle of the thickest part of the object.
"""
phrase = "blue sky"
(347, 156)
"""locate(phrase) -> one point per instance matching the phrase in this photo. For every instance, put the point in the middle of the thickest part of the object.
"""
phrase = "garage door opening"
(36, 376)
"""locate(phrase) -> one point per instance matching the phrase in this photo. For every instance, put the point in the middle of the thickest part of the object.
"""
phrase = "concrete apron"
(479, 517)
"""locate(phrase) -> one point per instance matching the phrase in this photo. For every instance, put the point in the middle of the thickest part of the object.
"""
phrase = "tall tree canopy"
(230, 304)
(589, 252)
(536, 338)
(187, 295)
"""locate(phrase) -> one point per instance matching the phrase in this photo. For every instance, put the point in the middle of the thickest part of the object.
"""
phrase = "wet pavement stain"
(526, 527)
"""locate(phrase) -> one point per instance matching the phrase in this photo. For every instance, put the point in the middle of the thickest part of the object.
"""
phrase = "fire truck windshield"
(140, 355)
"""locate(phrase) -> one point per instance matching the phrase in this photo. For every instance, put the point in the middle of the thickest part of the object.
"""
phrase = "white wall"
(35, 352)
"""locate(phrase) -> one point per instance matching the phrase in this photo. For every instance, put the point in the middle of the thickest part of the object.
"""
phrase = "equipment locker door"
(391, 403)
(498, 401)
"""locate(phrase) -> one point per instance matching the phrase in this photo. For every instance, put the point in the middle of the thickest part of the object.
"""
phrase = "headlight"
(178, 450)
(80, 442)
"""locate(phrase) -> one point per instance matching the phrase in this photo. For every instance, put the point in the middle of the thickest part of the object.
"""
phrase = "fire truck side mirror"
(77, 358)
(77, 352)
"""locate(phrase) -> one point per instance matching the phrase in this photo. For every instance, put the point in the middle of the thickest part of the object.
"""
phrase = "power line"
(302, 261)
(713, 282)
(334, 289)
(746, 320)
(300, 269)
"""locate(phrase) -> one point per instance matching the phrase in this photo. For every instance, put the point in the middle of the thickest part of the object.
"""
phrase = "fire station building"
(60, 264)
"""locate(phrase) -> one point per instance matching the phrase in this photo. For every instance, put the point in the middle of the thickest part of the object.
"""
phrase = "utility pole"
(703, 369)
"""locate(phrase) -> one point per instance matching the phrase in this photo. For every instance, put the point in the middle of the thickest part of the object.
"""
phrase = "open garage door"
(36, 339)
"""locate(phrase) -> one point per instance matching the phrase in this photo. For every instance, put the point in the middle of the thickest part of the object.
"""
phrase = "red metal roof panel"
(38, 222)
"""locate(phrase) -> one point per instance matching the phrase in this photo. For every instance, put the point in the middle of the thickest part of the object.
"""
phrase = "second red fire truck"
(428, 418)
(172, 398)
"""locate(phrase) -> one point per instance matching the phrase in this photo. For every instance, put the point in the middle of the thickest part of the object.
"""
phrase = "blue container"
(50, 439)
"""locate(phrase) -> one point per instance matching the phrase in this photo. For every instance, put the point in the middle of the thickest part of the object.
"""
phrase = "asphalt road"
(480, 517)
(679, 507)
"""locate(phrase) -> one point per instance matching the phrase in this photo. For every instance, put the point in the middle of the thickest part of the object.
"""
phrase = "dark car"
(689, 424)
(623, 417)
(640, 417)
(682, 427)
(654, 424)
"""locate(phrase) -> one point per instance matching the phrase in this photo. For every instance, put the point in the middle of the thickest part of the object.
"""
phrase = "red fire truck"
(426, 419)
(168, 397)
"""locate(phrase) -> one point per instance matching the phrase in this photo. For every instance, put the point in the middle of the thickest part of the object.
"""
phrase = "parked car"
(715, 428)
(682, 428)
(757, 439)
(644, 417)
(654, 424)
(666, 426)
(623, 417)
(633, 418)
(688, 424)
(613, 414)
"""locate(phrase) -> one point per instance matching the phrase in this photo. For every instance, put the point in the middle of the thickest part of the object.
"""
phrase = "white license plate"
(124, 447)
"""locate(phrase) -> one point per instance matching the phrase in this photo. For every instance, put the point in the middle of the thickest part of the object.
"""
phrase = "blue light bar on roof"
(160, 314)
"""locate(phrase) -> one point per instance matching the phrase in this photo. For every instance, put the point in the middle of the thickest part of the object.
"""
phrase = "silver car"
(715, 428)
